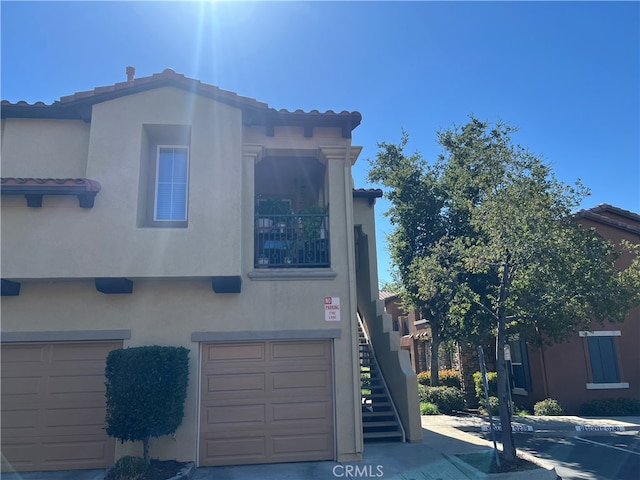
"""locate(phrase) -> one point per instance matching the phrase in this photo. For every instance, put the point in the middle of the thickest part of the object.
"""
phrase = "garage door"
(53, 406)
(266, 402)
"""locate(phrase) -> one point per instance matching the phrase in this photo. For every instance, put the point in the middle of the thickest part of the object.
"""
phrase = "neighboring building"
(163, 210)
(601, 363)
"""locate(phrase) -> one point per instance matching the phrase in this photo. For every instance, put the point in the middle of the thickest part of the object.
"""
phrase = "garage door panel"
(306, 411)
(20, 388)
(249, 415)
(266, 402)
(245, 449)
(64, 387)
(91, 354)
(290, 382)
(235, 352)
(22, 354)
(53, 406)
(231, 383)
(14, 420)
(299, 350)
(292, 444)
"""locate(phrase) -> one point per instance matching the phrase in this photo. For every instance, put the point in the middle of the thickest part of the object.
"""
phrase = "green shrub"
(611, 407)
(548, 406)
(492, 380)
(448, 378)
(128, 468)
(146, 391)
(494, 407)
(427, 408)
(448, 399)
(424, 378)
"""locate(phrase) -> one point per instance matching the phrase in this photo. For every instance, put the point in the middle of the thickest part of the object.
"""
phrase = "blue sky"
(566, 73)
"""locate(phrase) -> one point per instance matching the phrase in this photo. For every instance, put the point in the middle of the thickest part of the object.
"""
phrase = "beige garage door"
(53, 406)
(266, 402)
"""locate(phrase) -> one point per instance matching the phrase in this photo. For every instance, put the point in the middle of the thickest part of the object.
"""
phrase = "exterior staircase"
(380, 420)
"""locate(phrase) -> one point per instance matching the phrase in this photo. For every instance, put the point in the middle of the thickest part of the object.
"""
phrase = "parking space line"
(605, 445)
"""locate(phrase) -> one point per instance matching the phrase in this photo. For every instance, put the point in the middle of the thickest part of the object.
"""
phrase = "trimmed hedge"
(146, 391)
(128, 468)
(611, 407)
(448, 378)
(448, 399)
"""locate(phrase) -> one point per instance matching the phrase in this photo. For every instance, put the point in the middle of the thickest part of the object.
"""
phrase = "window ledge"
(519, 391)
(292, 274)
(606, 386)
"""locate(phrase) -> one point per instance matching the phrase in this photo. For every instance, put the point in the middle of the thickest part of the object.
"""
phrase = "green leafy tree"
(146, 391)
(426, 268)
(512, 254)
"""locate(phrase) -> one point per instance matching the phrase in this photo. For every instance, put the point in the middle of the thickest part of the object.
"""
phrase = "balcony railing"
(291, 241)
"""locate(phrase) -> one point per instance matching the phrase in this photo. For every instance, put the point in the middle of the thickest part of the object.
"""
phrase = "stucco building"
(162, 210)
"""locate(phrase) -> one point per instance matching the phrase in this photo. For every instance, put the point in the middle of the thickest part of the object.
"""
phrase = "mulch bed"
(158, 470)
(486, 463)
(163, 469)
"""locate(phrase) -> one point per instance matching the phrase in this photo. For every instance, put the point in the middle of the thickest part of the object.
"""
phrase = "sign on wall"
(332, 309)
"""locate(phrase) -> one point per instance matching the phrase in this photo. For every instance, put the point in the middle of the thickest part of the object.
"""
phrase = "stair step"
(382, 435)
(380, 424)
(366, 413)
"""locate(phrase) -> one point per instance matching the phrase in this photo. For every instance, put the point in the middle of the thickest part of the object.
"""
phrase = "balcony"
(298, 240)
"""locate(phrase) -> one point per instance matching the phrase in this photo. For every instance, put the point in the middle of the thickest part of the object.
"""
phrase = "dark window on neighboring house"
(521, 375)
(604, 361)
(405, 325)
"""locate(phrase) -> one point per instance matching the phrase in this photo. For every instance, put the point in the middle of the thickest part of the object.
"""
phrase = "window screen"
(171, 184)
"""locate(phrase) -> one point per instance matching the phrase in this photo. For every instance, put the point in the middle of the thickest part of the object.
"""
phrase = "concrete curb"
(545, 472)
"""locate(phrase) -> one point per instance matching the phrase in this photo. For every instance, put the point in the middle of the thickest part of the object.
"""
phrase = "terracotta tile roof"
(34, 188)
(367, 192)
(630, 222)
(78, 105)
(386, 295)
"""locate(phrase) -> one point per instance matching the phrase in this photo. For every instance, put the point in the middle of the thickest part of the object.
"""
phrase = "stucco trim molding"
(64, 336)
(606, 386)
(292, 274)
(265, 335)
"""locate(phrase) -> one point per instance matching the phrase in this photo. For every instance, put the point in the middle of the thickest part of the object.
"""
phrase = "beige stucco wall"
(44, 148)
(56, 251)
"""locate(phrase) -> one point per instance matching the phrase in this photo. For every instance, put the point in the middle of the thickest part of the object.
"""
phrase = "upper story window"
(165, 157)
(171, 189)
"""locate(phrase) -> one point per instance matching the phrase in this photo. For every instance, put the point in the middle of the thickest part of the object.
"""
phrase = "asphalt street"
(615, 456)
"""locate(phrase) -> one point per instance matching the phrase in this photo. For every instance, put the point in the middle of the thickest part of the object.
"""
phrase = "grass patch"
(486, 463)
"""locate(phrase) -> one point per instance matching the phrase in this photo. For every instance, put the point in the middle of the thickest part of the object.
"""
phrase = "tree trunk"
(435, 346)
(508, 446)
(145, 449)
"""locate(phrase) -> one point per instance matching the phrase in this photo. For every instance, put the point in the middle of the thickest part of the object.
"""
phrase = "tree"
(417, 204)
(146, 391)
(514, 255)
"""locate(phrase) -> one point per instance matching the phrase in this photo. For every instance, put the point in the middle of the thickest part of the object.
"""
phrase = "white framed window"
(171, 184)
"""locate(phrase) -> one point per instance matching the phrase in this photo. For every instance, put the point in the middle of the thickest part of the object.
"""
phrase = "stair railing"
(384, 383)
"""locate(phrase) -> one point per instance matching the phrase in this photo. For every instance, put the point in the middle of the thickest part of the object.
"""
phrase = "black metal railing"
(291, 241)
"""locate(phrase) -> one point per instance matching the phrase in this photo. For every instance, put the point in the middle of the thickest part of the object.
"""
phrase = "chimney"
(131, 71)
